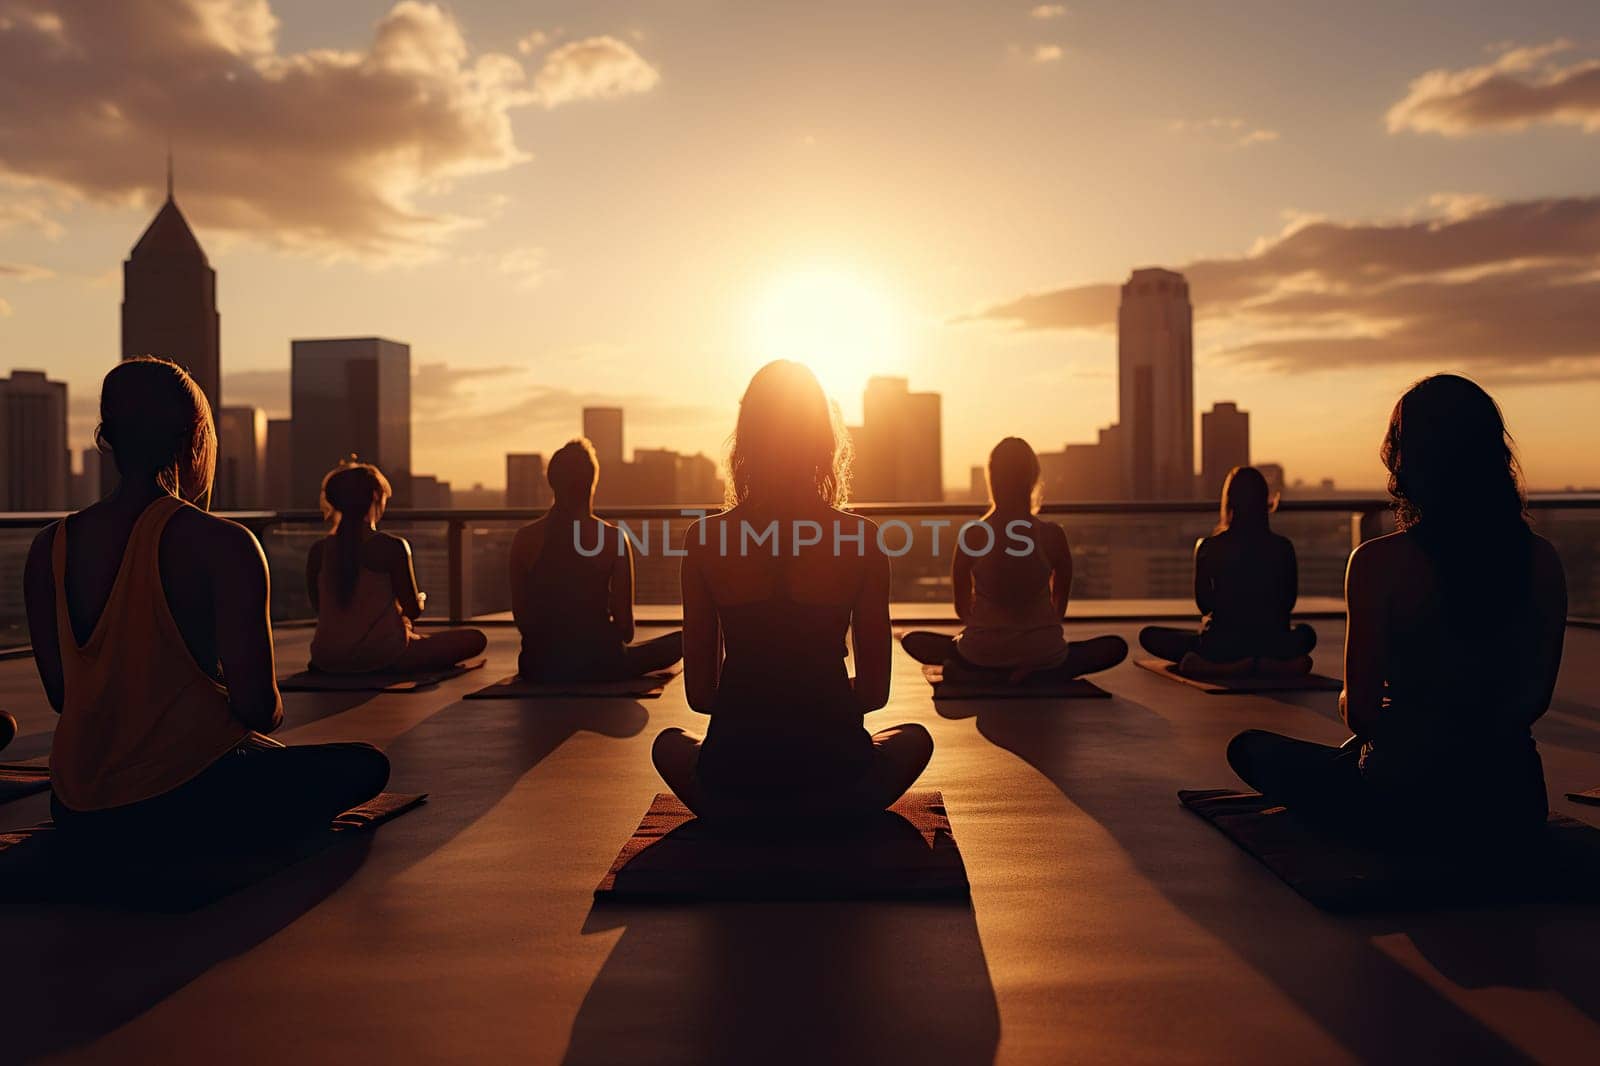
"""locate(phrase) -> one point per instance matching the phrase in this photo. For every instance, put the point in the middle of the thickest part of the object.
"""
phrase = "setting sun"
(840, 324)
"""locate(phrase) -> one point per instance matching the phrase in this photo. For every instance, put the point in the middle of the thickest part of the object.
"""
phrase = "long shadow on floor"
(78, 973)
(81, 973)
(1100, 759)
(869, 983)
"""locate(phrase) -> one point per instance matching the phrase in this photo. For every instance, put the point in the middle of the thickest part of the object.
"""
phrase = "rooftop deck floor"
(1106, 924)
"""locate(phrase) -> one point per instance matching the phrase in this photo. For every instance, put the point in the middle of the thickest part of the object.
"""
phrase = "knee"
(1308, 637)
(475, 641)
(8, 728)
(666, 752)
(917, 743)
(1116, 649)
(369, 769)
(1241, 749)
(1150, 638)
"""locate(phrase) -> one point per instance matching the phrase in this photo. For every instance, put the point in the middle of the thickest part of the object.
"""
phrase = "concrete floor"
(1106, 924)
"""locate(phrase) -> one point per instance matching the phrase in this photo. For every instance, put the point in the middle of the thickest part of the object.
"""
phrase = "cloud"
(1046, 53)
(1048, 11)
(1520, 87)
(24, 272)
(1511, 290)
(532, 42)
(1236, 131)
(595, 68)
(326, 150)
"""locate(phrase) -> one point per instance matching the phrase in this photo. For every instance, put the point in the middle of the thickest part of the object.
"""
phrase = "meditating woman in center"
(572, 586)
(364, 589)
(772, 586)
(1246, 580)
(1013, 576)
(1452, 646)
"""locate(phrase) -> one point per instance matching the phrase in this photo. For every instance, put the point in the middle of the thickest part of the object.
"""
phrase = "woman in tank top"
(1452, 647)
(572, 586)
(364, 589)
(149, 622)
(1012, 576)
(1246, 580)
(773, 586)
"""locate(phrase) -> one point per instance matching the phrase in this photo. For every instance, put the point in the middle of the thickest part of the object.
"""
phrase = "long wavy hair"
(155, 423)
(1456, 484)
(1247, 502)
(790, 443)
(350, 493)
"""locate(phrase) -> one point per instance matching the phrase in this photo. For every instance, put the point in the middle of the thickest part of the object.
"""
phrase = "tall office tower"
(169, 300)
(1155, 371)
(278, 468)
(351, 396)
(603, 427)
(241, 458)
(86, 483)
(525, 481)
(1224, 444)
(698, 482)
(35, 465)
(899, 445)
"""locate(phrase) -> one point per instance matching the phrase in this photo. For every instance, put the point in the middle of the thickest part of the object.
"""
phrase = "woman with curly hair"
(1452, 644)
(772, 586)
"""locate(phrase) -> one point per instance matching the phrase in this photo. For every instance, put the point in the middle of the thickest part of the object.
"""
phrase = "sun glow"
(841, 325)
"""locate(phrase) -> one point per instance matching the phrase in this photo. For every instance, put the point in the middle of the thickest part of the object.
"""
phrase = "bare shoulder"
(221, 541)
(389, 547)
(1548, 571)
(1386, 553)
(44, 543)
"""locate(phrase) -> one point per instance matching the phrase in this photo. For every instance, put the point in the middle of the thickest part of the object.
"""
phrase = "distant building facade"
(1224, 444)
(35, 463)
(278, 465)
(1080, 472)
(603, 427)
(1155, 385)
(241, 459)
(899, 452)
(525, 481)
(350, 396)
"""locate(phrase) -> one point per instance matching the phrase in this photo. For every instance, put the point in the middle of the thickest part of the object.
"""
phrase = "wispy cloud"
(1046, 53)
(596, 68)
(1520, 87)
(1511, 290)
(1047, 11)
(1235, 131)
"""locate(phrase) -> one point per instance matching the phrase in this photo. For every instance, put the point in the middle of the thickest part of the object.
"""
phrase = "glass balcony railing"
(1121, 551)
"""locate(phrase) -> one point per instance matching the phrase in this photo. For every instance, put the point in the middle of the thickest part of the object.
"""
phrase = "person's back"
(1012, 621)
(363, 629)
(1245, 580)
(150, 631)
(144, 707)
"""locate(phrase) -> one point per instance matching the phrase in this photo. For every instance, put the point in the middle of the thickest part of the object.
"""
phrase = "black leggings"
(1322, 783)
(8, 729)
(249, 793)
(1083, 656)
(1171, 644)
(634, 660)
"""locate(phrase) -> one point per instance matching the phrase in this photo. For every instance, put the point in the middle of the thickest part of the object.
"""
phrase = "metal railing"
(1161, 533)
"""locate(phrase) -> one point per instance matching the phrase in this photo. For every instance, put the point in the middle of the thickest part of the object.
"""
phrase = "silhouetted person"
(150, 630)
(1453, 641)
(364, 589)
(8, 729)
(572, 586)
(1246, 580)
(771, 588)
(1012, 576)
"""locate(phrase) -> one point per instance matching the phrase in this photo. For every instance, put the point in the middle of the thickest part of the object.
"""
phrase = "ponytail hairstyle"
(155, 424)
(1014, 475)
(1246, 501)
(353, 494)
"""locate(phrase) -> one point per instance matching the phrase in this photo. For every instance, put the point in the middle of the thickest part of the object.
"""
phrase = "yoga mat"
(382, 681)
(22, 779)
(644, 687)
(906, 852)
(1243, 685)
(1076, 688)
(37, 865)
(1589, 795)
(1344, 876)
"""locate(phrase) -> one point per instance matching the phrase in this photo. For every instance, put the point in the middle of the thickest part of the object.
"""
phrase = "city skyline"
(599, 188)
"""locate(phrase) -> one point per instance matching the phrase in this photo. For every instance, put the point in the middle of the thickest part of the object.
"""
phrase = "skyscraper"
(169, 300)
(241, 458)
(603, 427)
(1155, 371)
(899, 454)
(278, 468)
(35, 464)
(525, 481)
(350, 396)
(1224, 444)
